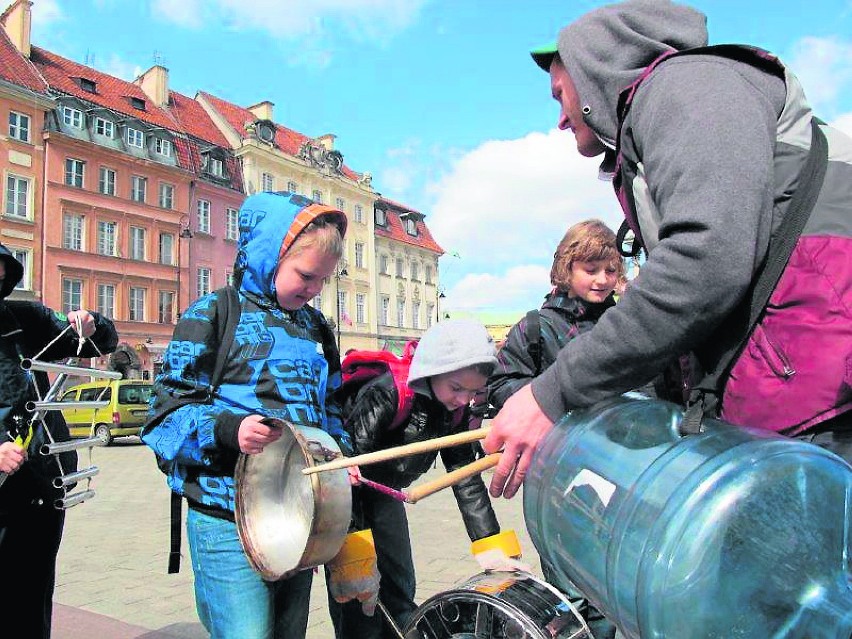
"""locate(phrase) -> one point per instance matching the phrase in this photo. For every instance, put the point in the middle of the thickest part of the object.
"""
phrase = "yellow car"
(124, 414)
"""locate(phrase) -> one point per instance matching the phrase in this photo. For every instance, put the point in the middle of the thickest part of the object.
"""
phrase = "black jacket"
(25, 329)
(369, 411)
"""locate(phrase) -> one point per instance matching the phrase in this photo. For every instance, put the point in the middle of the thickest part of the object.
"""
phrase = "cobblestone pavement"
(112, 581)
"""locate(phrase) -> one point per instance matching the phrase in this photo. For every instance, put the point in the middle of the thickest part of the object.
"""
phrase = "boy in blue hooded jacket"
(283, 363)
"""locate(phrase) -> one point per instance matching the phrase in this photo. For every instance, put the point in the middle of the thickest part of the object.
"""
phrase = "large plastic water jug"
(729, 533)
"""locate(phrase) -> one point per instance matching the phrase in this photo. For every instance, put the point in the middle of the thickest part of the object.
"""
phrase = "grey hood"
(606, 49)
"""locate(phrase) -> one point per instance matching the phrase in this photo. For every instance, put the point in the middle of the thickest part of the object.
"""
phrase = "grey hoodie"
(705, 128)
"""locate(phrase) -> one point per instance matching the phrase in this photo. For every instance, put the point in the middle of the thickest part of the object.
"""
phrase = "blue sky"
(438, 99)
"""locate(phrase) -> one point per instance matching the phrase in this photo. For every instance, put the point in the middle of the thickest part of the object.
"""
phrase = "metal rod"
(47, 367)
(389, 619)
(73, 478)
(64, 447)
(34, 406)
(406, 450)
(73, 500)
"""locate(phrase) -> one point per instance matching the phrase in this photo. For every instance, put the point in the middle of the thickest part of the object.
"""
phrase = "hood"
(14, 272)
(607, 49)
(269, 223)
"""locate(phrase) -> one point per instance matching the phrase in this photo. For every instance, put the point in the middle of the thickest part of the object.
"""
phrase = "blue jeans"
(232, 600)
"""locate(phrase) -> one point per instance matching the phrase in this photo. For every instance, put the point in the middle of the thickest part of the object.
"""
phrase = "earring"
(587, 109)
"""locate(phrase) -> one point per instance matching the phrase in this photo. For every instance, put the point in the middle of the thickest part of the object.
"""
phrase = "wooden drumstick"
(450, 479)
(401, 451)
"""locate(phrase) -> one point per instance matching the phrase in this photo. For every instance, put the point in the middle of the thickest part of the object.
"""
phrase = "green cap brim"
(544, 55)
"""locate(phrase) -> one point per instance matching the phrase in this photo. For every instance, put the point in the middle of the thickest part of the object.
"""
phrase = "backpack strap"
(404, 394)
(707, 393)
(532, 333)
(227, 309)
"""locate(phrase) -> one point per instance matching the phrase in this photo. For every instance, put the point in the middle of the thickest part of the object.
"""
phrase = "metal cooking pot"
(288, 521)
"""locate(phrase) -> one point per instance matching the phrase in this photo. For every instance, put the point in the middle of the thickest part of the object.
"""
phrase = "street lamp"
(341, 272)
(185, 234)
(438, 305)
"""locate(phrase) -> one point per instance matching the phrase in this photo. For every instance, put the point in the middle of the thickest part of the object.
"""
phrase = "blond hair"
(586, 241)
(322, 232)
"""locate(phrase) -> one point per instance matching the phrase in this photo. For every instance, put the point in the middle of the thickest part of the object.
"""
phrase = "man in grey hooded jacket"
(712, 143)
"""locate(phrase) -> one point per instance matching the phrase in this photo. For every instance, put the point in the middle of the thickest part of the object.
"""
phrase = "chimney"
(155, 83)
(17, 22)
(327, 141)
(262, 110)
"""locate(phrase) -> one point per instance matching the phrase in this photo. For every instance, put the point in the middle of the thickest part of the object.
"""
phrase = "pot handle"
(414, 495)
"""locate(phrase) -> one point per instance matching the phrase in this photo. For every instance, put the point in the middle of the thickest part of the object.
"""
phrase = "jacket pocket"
(774, 356)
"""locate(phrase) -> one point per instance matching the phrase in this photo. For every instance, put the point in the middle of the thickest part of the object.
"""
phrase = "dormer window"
(163, 147)
(381, 217)
(88, 85)
(411, 226)
(137, 103)
(72, 117)
(213, 166)
(104, 127)
(265, 131)
(135, 137)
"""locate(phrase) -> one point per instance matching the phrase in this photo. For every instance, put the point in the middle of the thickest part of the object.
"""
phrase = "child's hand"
(12, 456)
(253, 435)
(82, 322)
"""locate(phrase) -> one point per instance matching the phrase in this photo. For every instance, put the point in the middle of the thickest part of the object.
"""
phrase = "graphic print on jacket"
(278, 365)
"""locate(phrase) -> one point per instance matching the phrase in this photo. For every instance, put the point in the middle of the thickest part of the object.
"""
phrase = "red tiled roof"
(396, 231)
(16, 69)
(112, 93)
(194, 119)
(287, 140)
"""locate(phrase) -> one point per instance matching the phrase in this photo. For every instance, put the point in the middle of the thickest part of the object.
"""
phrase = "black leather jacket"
(367, 416)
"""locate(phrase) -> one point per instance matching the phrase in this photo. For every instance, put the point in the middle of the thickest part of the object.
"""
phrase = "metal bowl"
(288, 521)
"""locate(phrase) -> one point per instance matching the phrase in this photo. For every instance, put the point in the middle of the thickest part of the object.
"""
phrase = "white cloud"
(45, 13)
(119, 68)
(844, 123)
(504, 207)
(297, 19)
(824, 67)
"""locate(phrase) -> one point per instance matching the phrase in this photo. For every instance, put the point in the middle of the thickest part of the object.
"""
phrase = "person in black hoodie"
(30, 525)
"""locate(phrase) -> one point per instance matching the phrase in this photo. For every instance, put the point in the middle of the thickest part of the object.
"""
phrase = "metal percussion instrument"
(498, 605)
(288, 521)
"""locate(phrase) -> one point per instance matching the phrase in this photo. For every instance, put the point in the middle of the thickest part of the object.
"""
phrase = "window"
(216, 167)
(229, 279)
(292, 187)
(72, 294)
(383, 264)
(18, 197)
(138, 187)
(316, 196)
(135, 137)
(137, 243)
(137, 103)
(381, 217)
(317, 302)
(360, 308)
(359, 213)
(107, 232)
(232, 224)
(359, 254)
(137, 304)
(341, 305)
(166, 307)
(427, 272)
(104, 127)
(202, 282)
(203, 208)
(25, 258)
(163, 147)
(430, 312)
(72, 117)
(400, 312)
(88, 85)
(385, 310)
(415, 271)
(106, 300)
(415, 314)
(340, 204)
(106, 181)
(167, 196)
(400, 266)
(167, 249)
(72, 232)
(74, 170)
(19, 126)
(411, 226)
(267, 183)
